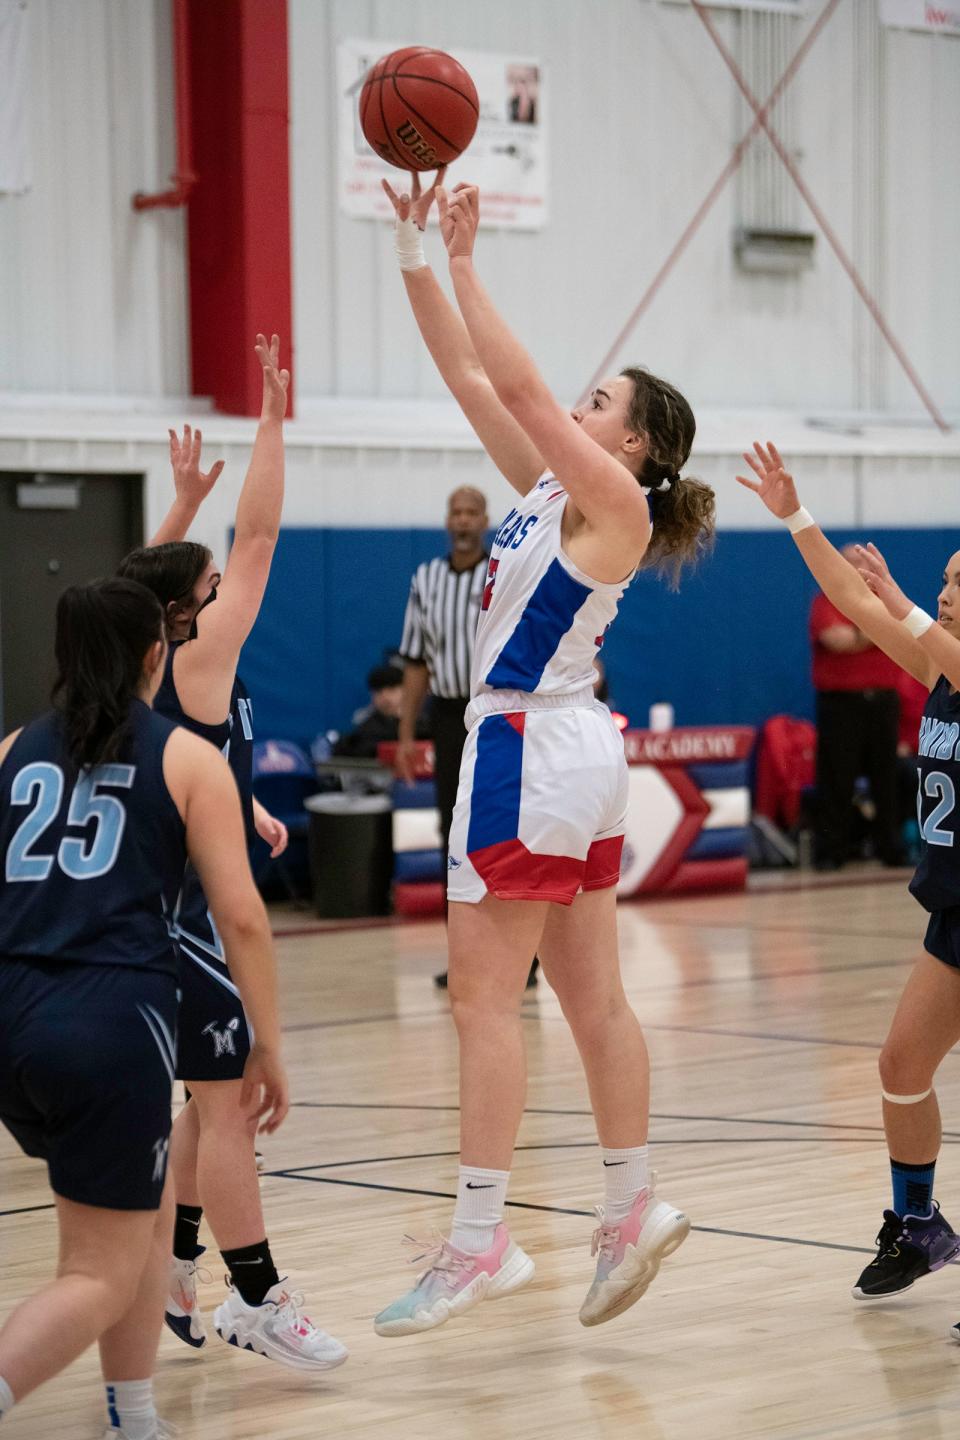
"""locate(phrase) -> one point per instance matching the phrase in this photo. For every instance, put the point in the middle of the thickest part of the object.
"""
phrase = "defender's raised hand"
(459, 218)
(875, 572)
(776, 488)
(192, 484)
(275, 380)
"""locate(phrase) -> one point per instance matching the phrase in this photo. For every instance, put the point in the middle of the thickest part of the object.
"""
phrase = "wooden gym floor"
(764, 1015)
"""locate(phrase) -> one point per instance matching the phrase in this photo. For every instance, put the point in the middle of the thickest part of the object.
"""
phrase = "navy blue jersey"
(936, 883)
(92, 861)
(195, 928)
(233, 736)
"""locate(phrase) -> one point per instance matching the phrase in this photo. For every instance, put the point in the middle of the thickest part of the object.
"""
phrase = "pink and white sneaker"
(629, 1255)
(453, 1282)
(279, 1330)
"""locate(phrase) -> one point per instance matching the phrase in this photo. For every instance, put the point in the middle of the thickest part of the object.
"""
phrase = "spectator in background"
(380, 721)
(439, 629)
(858, 713)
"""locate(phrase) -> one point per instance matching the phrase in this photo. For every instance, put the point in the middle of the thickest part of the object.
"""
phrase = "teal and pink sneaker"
(453, 1282)
(629, 1253)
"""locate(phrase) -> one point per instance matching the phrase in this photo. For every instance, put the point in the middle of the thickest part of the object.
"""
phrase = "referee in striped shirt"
(439, 629)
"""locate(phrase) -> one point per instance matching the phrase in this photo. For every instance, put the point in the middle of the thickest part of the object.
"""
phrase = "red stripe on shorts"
(511, 871)
(603, 863)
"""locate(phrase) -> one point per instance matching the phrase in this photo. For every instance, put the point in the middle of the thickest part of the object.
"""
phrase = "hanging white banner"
(919, 15)
(15, 169)
(507, 157)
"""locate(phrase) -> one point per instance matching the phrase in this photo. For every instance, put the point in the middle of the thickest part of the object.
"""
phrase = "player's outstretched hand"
(273, 831)
(265, 1091)
(876, 574)
(192, 484)
(459, 218)
(417, 204)
(776, 488)
(275, 380)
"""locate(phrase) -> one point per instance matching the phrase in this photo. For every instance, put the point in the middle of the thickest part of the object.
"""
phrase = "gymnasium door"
(55, 531)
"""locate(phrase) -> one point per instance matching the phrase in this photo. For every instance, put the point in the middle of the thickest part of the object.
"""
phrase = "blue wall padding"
(421, 795)
(719, 844)
(724, 775)
(415, 866)
(730, 648)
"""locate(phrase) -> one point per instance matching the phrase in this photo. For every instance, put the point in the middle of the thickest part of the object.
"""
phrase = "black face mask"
(209, 601)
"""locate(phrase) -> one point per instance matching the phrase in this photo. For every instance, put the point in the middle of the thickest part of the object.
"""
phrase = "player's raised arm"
(445, 336)
(604, 491)
(191, 484)
(839, 581)
(223, 628)
(941, 648)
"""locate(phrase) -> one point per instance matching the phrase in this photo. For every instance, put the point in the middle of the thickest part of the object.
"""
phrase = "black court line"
(588, 1114)
(760, 1034)
(26, 1209)
(559, 1210)
(806, 972)
(681, 1140)
(363, 1020)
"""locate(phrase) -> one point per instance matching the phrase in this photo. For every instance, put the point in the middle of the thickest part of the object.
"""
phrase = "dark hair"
(104, 630)
(684, 514)
(171, 571)
(383, 675)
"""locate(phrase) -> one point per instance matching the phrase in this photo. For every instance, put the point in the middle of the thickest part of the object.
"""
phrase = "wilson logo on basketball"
(410, 137)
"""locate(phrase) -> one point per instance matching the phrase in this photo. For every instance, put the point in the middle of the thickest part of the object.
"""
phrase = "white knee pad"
(906, 1099)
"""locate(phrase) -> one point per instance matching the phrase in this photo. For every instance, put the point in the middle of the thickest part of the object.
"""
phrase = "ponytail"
(103, 632)
(683, 509)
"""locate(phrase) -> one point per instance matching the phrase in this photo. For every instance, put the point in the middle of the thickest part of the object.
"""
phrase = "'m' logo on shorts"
(160, 1148)
(222, 1039)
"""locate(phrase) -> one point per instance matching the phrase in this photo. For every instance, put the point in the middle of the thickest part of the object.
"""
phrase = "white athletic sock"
(625, 1174)
(7, 1401)
(481, 1195)
(131, 1408)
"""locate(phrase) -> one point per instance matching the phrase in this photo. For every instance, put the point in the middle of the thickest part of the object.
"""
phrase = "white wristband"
(800, 520)
(408, 241)
(917, 622)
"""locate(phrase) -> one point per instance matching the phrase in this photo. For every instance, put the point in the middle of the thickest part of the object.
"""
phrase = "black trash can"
(351, 854)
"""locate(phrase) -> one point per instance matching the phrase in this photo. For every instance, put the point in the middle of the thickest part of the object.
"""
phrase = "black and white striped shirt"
(440, 625)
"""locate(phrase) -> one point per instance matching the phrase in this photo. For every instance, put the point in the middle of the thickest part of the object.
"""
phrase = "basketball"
(418, 108)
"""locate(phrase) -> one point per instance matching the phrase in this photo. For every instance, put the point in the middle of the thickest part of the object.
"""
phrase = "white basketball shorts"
(541, 806)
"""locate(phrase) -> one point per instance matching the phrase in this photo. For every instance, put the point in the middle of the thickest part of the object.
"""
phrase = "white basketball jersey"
(542, 620)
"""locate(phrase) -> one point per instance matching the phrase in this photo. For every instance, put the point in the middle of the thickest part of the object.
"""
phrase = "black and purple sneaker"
(907, 1249)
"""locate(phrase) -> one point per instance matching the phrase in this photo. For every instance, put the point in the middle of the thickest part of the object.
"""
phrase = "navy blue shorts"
(214, 1039)
(87, 1056)
(942, 939)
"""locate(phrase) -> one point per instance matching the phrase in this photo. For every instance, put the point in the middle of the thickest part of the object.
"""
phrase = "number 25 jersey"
(90, 862)
(936, 883)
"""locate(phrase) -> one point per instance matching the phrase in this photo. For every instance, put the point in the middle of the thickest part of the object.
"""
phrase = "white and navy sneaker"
(279, 1330)
(182, 1312)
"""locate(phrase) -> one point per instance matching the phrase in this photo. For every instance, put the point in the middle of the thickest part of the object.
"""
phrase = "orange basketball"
(418, 108)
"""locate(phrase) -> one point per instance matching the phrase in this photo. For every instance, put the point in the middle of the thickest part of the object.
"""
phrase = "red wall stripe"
(239, 253)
